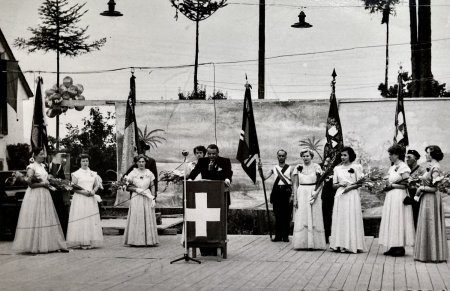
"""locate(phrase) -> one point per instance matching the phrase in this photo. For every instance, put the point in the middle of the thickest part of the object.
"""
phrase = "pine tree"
(60, 32)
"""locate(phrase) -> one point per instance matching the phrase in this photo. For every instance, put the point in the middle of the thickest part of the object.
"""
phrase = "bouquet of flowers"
(127, 182)
(373, 180)
(174, 176)
(121, 184)
(63, 184)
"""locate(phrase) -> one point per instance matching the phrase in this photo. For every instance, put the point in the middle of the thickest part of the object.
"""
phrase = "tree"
(97, 138)
(197, 10)
(386, 7)
(59, 32)
(408, 87)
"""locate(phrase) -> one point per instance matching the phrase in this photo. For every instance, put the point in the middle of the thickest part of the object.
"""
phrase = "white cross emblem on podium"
(201, 214)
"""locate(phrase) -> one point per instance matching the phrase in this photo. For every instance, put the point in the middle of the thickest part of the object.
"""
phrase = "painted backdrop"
(368, 127)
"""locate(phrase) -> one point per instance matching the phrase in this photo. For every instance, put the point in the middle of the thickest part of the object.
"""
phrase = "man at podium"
(213, 167)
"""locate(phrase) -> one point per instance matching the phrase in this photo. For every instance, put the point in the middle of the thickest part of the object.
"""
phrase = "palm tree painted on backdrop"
(150, 137)
(387, 8)
(312, 144)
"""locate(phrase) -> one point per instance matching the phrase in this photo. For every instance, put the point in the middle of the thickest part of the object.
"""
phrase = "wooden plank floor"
(254, 263)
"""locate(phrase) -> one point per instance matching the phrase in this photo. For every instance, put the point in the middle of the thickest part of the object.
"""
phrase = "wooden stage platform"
(254, 263)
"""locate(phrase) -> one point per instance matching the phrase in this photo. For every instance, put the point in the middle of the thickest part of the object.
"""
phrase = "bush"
(18, 156)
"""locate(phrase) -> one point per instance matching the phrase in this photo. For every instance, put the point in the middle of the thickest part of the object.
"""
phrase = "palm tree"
(150, 138)
(312, 144)
(386, 7)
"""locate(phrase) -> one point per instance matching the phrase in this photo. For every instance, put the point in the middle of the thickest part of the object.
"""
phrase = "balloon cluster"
(66, 91)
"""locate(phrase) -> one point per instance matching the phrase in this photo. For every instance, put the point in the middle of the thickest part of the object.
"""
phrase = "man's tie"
(211, 166)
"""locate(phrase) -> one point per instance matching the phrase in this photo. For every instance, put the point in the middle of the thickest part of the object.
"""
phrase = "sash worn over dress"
(141, 229)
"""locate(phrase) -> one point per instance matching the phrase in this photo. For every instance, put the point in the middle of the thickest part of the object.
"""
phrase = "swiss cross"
(201, 214)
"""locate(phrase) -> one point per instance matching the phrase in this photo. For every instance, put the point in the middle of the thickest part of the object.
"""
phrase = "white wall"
(15, 123)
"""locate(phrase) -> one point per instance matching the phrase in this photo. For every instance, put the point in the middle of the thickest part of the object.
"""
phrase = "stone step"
(168, 225)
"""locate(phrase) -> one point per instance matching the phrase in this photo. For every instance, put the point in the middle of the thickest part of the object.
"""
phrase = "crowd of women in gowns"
(397, 228)
(39, 229)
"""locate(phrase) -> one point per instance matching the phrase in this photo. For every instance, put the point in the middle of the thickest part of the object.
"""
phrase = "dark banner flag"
(401, 133)
(248, 150)
(38, 127)
(333, 134)
(130, 133)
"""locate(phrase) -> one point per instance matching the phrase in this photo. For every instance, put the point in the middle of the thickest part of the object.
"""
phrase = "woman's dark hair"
(435, 152)
(35, 151)
(83, 156)
(138, 157)
(199, 148)
(351, 153)
(398, 150)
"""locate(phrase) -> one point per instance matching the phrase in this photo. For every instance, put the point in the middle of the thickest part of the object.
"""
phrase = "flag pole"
(265, 197)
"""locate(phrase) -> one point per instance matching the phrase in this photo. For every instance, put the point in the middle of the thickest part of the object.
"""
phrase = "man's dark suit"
(60, 197)
(151, 165)
(221, 170)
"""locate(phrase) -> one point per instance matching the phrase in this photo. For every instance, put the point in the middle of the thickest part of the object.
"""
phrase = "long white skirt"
(397, 224)
(347, 230)
(141, 229)
(38, 228)
(84, 227)
(309, 232)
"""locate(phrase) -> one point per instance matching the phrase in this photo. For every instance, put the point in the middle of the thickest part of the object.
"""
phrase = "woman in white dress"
(309, 231)
(397, 224)
(347, 230)
(38, 228)
(141, 229)
(84, 230)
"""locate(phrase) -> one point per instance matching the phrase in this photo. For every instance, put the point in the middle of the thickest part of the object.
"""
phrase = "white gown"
(38, 228)
(84, 227)
(397, 224)
(347, 229)
(309, 232)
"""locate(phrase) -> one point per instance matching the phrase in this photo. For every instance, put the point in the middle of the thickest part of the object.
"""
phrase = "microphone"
(211, 166)
(184, 153)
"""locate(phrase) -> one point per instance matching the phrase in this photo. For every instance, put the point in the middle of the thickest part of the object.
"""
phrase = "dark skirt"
(431, 241)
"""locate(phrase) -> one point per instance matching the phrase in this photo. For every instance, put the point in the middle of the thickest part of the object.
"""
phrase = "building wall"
(15, 123)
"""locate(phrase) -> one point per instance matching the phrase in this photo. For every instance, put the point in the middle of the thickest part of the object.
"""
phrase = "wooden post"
(261, 51)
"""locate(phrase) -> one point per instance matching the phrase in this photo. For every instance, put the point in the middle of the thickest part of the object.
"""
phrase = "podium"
(206, 216)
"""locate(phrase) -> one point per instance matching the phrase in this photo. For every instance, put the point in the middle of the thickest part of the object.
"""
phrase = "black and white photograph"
(224, 145)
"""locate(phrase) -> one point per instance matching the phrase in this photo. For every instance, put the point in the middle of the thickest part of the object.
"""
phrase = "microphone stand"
(185, 256)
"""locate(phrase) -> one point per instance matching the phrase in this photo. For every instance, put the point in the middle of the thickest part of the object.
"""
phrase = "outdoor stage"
(253, 263)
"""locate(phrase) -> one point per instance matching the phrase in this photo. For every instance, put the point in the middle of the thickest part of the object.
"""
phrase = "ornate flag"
(38, 127)
(333, 135)
(248, 150)
(130, 133)
(401, 133)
